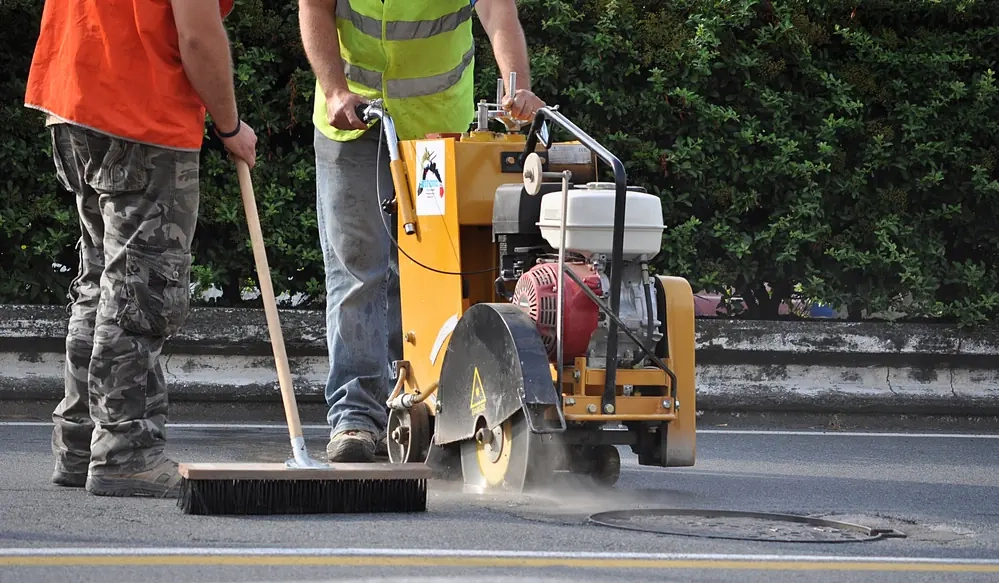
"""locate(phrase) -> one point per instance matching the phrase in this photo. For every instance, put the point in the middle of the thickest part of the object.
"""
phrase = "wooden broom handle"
(270, 303)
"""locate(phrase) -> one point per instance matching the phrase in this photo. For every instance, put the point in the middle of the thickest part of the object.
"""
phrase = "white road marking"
(460, 553)
(318, 427)
(846, 433)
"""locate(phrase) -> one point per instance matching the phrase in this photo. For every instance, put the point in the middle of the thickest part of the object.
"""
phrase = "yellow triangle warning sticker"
(478, 399)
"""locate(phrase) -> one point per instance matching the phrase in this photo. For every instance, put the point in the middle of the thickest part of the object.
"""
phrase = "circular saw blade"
(513, 460)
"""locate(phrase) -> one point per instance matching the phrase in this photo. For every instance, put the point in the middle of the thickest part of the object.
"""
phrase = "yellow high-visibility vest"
(417, 55)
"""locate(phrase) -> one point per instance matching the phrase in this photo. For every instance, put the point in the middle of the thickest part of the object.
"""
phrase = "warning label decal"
(478, 400)
(430, 185)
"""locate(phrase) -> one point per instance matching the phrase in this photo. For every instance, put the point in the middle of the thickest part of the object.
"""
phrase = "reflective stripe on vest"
(403, 88)
(400, 29)
(397, 51)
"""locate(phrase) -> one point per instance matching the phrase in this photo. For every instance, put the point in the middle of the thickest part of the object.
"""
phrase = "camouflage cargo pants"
(138, 206)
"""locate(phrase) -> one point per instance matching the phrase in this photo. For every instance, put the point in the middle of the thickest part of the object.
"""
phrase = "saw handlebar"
(617, 248)
(374, 110)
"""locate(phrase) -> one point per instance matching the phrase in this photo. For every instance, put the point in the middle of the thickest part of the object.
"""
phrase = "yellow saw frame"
(445, 190)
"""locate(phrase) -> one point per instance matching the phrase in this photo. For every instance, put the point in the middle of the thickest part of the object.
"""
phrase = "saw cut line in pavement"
(738, 525)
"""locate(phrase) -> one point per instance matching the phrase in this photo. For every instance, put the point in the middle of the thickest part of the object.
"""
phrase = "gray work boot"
(351, 446)
(159, 481)
(70, 471)
(62, 477)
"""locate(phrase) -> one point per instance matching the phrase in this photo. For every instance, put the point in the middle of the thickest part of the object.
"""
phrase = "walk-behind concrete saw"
(512, 372)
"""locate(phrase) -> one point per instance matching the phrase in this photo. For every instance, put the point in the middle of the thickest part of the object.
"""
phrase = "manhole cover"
(730, 524)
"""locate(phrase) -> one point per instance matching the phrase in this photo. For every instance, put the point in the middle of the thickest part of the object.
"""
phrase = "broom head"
(277, 488)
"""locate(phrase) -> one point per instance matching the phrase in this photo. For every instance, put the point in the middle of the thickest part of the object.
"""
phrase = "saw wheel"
(509, 458)
(409, 434)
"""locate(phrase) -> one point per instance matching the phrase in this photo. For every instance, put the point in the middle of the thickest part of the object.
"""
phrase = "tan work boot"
(159, 481)
(351, 446)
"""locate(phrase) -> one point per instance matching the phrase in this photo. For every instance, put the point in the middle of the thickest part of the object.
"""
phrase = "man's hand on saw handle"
(523, 105)
(341, 109)
(342, 105)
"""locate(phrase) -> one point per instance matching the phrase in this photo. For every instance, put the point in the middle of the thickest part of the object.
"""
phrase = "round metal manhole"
(731, 524)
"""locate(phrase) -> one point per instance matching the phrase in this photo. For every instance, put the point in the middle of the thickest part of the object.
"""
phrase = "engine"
(527, 229)
(537, 294)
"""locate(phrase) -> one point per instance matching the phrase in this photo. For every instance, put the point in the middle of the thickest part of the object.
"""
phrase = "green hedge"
(833, 150)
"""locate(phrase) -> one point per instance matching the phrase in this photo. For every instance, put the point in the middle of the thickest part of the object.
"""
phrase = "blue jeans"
(363, 322)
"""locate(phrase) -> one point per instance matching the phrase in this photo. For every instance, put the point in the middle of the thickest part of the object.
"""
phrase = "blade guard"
(495, 364)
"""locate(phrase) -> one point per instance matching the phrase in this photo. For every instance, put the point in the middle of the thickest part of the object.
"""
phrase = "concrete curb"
(224, 356)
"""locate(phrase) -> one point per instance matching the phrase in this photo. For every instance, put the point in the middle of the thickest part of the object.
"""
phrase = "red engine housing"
(536, 294)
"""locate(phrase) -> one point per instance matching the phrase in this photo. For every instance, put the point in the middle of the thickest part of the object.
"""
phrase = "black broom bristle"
(261, 496)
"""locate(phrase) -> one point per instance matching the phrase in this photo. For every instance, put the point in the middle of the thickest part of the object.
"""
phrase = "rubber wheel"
(513, 459)
(602, 463)
(606, 469)
(409, 434)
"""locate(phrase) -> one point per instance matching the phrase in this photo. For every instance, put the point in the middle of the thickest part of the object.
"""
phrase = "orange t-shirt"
(114, 66)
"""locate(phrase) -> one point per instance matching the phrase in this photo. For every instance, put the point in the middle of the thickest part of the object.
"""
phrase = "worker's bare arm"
(317, 21)
(204, 50)
(500, 21)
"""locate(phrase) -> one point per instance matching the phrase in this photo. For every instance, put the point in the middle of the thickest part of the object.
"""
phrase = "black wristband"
(239, 125)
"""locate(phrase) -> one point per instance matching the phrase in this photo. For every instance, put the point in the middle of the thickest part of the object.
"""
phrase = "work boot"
(351, 446)
(160, 481)
(63, 477)
(382, 449)
(70, 470)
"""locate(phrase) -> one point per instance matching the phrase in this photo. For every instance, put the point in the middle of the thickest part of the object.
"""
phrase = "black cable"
(388, 230)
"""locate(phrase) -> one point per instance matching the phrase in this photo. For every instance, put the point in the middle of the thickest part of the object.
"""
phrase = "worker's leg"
(73, 426)
(149, 201)
(356, 254)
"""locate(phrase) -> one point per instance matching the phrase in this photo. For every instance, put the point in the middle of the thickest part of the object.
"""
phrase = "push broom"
(301, 485)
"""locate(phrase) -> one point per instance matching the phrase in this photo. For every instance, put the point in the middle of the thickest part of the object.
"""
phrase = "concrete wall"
(818, 366)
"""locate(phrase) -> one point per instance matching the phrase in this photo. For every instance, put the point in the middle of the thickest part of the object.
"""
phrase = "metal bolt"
(440, 406)
(570, 401)
(676, 404)
(484, 435)
(400, 435)
(411, 337)
(591, 408)
(608, 408)
(510, 160)
(665, 403)
(576, 375)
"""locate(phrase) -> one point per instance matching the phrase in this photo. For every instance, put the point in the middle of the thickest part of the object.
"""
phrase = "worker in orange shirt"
(125, 86)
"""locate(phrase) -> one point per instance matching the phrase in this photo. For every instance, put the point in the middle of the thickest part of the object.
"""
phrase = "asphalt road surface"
(940, 491)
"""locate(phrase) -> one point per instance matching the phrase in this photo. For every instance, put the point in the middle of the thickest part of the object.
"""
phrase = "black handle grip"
(359, 111)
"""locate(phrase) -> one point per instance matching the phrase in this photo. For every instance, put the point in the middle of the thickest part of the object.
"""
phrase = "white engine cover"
(589, 226)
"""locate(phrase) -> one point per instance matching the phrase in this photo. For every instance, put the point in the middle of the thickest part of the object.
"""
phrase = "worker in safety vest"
(417, 55)
(125, 85)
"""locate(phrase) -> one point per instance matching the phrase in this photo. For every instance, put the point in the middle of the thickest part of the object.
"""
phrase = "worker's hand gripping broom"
(301, 485)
